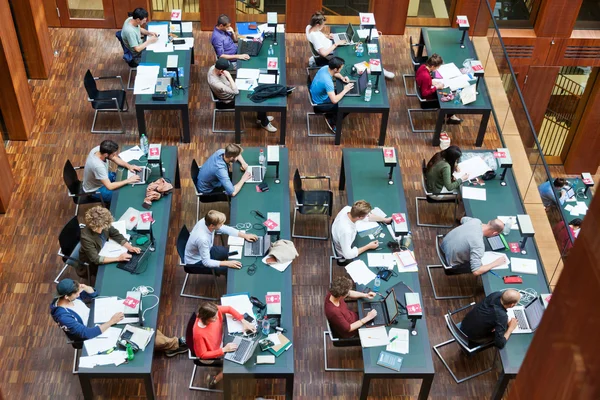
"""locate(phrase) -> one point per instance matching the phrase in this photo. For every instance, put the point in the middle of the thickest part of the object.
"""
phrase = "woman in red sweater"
(428, 89)
(208, 335)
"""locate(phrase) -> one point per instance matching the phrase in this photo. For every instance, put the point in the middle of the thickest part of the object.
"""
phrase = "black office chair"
(189, 339)
(217, 110)
(426, 106)
(448, 270)
(469, 348)
(416, 62)
(75, 188)
(105, 100)
(315, 107)
(128, 58)
(312, 202)
(77, 346)
(338, 342)
(205, 197)
(197, 269)
(69, 241)
(439, 198)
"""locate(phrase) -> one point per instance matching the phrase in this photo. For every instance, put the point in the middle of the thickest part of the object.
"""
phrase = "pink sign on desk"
(176, 15)
(499, 154)
(413, 308)
(374, 62)
(514, 247)
(154, 151)
(272, 64)
(388, 152)
(131, 302)
(146, 217)
(398, 218)
(270, 224)
(273, 298)
(477, 67)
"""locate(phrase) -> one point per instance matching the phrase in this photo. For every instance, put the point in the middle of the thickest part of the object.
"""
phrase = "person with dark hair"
(224, 41)
(428, 89)
(345, 323)
(208, 335)
(440, 169)
(547, 191)
(322, 90)
(132, 32)
(562, 235)
(71, 315)
(95, 172)
(214, 174)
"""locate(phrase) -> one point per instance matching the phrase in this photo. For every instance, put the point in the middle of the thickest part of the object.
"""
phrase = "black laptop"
(387, 310)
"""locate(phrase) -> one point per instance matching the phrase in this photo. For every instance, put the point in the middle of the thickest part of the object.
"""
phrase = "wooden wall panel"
(537, 92)
(30, 20)
(390, 15)
(477, 13)
(210, 11)
(575, 52)
(50, 9)
(297, 14)
(556, 18)
(122, 7)
(15, 97)
(528, 50)
(6, 177)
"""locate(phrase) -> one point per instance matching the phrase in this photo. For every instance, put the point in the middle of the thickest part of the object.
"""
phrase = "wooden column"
(122, 7)
(556, 18)
(563, 361)
(6, 177)
(390, 15)
(298, 13)
(210, 11)
(477, 13)
(537, 92)
(34, 37)
(15, 97)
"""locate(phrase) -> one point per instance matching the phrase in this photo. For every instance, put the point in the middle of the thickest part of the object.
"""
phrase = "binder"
(282, 347)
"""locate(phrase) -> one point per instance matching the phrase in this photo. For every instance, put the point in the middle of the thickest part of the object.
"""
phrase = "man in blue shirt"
(224, 40)
(214, 174)
(322, 90)
(547, 189)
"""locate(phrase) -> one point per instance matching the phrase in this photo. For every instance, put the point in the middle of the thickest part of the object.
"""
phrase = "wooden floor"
(36, 361)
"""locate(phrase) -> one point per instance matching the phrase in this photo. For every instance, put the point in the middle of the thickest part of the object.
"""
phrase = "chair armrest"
(318, 177)
(97, 78)
(80, 167)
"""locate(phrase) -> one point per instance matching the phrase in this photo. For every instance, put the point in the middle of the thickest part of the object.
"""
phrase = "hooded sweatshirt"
(71, 323)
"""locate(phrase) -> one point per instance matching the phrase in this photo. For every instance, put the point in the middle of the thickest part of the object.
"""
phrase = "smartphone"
(248, 318)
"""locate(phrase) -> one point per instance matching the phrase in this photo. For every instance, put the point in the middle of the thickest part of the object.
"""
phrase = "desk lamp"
(414, 310)
(526, 228)
(389, 160)
(274, 229)
(272, 23)
(375, 67)
(587, 180)
(176, 19)
(273, 159)
(505, 161)
(154, 153)
(463, 25)
(367, 21)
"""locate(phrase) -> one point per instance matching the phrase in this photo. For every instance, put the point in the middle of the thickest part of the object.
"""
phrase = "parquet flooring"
(36, 361)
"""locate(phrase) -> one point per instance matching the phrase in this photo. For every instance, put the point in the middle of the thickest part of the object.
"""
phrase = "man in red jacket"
(427, 88)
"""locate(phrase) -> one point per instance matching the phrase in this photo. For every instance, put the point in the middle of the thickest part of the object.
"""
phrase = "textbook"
(285, 344)
(389, 360)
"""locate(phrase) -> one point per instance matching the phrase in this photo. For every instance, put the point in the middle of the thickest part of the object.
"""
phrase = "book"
(285, 344)
(389, 360)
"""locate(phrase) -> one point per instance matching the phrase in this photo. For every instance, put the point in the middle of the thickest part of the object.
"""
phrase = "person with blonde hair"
(97, 231)
(200, 248)
(343, 230)
(214, 176)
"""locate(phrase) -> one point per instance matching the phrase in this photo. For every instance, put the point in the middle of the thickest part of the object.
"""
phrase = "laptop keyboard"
(243, 347)
(256, 172)
(379, 318)
(250, 48)
(257, 246)
(131, 265)
(521, 320)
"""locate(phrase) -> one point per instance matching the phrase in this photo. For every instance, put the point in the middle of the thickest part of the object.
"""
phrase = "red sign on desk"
(176, 15)
(413, 309)
(146, 217)
(398, 218)
(499, 154)
(154, 151)
(131, 302)
(514, 247)
(270, 224)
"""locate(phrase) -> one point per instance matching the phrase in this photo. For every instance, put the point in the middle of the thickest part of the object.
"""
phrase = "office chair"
(416, 62)
(335, 257)
(128, 58)
(312, 202)
(199, 269)
(469, 348)
(448, 270)
(69, 241)
(338, 342)
(314, 106)
(189, 339)
(426, 106)
(77, 346)
(105, 100)
(205, 197)
(451, 197)
(217, 110)
(75, 188)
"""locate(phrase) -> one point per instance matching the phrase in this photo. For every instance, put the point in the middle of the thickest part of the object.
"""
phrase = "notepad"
(473, 193)
(524, 265)
(400, 344)
(491, 256)
(373, 337)
(381, 260)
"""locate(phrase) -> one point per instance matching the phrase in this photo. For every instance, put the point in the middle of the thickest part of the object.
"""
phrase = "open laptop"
(137, 262)
(257, 172)
(347, 36)
(258, 248)
(360, 85)
(251, 47)
(244, 351)
(569, 193)
(387, 310)
(143, 174)
(528, 317)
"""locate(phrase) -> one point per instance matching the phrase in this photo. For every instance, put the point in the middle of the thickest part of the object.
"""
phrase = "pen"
(495, 274)
(379, 248)
(394, 338)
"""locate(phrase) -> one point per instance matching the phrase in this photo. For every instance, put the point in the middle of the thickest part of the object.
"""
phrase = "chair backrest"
(297, 182)
(127, 54)
(440, 252)
(333, 250)
(182, 239)
(69, 237)
(189, 335)
(331, 335)
(194, 171)
(71, 179)
(309, 80)
(458, 334)
(424, 178)
(213, 97)
(90, 85)
(314, 51)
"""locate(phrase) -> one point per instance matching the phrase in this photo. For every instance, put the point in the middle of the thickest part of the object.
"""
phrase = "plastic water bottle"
(457, 96)
(406, 240)
(266, 326)
(369, 90)
(376, 284)
(508, 226)
(271, 51)
(359, 50)
(169, 91)
(130, 354)
(144, 144)
(261, 158)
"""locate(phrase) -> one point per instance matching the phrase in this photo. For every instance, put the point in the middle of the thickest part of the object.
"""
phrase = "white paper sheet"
(359, 272)
(406, 261)
(491, 256)
(163, 36)
(112, 249)
(239, 249)
(166, 48)
(187, 27)
(134, 153)
(458, 82)
(365, 225)
(469, 94)
(266, 79)
(235, 240)
(504, 218)
(131, 216)
(265, 28)
(363, 33)
(245, 84)
(524, 265)
(474, 166)
(473, 193)
(278, 266)
(241, 303)
(104, 342)
(449, 71)
(248, 73)
(274, 337)
(106, 307)
(121, 226)
(386, 260)
(189, 43)
(116, 357)
(141, 337)
(373, 337)
(145, 79)
(400, 344)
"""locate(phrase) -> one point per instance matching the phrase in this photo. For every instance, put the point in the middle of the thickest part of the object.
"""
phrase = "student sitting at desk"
(343, 230)
(345, 323)
(488, 319)
(214, 176)
(464, 248)
(208, 335)
(562, 235)
(132, 32)
(428, 89)
(440, 169)
(200, 246)
(224, 41)
(224, 88)
(547, 190)
(71, 314)
(94, 235)
(95, 172)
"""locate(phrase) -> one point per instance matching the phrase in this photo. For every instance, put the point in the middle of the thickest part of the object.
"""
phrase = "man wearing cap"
(224, 88)
(71, 314)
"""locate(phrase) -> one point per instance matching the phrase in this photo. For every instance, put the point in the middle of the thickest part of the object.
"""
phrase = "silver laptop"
(244, 351)
(258, 248)
(528, 317)
(143, 174)
(257, 172)
(347, 36)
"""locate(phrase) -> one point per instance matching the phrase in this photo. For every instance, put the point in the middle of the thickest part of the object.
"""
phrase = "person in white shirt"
(343, 230)
(200, 249)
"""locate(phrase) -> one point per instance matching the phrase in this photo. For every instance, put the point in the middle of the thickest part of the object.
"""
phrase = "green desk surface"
(445, 42)
(260, 61)
(579, 188)
(367, 179)
(505, 200)
(112, 281)
(266, 279)
(378, 100)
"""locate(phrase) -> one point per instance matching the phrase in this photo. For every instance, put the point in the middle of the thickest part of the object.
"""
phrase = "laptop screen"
(391, 305)
(350, 32)
(362, 82)
(534, 311)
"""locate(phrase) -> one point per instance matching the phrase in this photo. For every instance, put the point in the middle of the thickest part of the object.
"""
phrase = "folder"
(282, 347)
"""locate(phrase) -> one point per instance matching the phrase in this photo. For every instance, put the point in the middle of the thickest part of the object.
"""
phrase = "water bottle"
(406, 240)
(376, 284)
(169, 91)
(261, 158)
(508, 226)
(369, 90)
(144, 144)
(359, 50)
(266, 326)
(457, 96)
(271, 51)
(130, 354)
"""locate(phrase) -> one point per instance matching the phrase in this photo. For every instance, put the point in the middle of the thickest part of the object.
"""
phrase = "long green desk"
(367, 179)
(181, 98)
(276, 104)
(506, 200)
(379, 103)
(445, 42)
(265, 279)
(112, 281)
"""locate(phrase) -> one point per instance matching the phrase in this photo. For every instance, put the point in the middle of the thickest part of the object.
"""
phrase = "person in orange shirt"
(208, 335)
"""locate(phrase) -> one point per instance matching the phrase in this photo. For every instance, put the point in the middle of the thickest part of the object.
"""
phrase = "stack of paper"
(400, 344)
(458, 82)
(578, 209)
(473, 193)
(504, 218)
(524, 265)
(449, 71)
(189, 43)
(364, 33)
(266, 79)
(491, 256)
(373, 337)
(474, 166)
(241, 303)
(145, 79)
(112, 249)
(106, 307)
(385, 260)
(116, 357)
(406, 261)
(121, 226)
(106, 341)
(162, 29)
(131, 216)
(141, 337)
(134, 153)
(359, 272)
